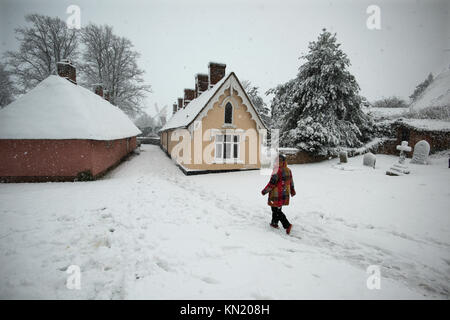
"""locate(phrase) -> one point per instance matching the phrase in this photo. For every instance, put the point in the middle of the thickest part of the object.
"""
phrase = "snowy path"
(148, 231)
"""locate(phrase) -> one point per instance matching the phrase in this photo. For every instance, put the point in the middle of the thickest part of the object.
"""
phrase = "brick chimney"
(98, 89)
(216, 72)
(201, 83)
(175, 108)
(66, 70)
(189, 95)
(180, 103)
(106, 95)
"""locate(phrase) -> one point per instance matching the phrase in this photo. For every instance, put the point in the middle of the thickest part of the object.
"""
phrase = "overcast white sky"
(261, 41)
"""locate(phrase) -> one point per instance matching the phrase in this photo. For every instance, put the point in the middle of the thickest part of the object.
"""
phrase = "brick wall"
(438, 140)
(303, 157)
(106, 154)
(59, 160)
(40, 160)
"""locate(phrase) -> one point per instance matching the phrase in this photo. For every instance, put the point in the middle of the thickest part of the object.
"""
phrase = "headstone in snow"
(399, 168)
(403, 148)
(369, 160)
(421, 152)
(343, 157)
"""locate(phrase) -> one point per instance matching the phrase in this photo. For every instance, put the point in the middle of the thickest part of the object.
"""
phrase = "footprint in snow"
(209, 280)
(258, 296)
(231, 247)
(163, 265)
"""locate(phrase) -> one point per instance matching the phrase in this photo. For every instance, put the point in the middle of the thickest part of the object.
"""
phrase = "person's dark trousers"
(277, 215)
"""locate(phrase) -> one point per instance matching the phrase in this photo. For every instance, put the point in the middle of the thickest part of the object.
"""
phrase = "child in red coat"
(280, 189)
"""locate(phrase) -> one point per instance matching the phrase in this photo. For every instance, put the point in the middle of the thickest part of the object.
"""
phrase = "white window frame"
(232, 143)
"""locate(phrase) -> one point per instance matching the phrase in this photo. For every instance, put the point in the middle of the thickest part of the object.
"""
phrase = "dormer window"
(228, 113)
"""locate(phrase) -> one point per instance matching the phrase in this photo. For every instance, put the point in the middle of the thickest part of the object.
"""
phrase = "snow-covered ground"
(147, 231)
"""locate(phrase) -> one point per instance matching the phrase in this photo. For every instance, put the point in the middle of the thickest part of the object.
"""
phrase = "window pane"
(218, 150)
(219, 138)
(228, 113)
(236, 138)
(228, 138)
(227, 151)
(235, 147)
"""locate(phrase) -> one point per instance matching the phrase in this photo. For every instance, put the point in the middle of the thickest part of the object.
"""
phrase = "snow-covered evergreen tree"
(320, 110)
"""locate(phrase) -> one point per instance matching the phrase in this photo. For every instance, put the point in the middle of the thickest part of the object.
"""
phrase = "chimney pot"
(106, 95)
(66, 70)
(216, 72)
(175, 108)
(180, 103)
(189, 95)
(201, 83)
(98, 89)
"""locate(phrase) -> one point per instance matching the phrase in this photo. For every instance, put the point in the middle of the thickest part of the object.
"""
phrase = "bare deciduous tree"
(41, 46)
(258, 102)
(7, 89)
(111, 60)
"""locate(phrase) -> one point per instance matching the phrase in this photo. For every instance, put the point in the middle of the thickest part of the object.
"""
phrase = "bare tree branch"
(111, 60)
(45, 42)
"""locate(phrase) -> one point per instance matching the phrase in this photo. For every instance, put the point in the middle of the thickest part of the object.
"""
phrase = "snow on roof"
(428, 124)
(436, 94)
(386, 112)
(185, 116)
(58, 109)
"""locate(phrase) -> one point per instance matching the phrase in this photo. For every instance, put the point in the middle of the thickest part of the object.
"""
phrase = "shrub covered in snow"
(390, 102)
(320, 110)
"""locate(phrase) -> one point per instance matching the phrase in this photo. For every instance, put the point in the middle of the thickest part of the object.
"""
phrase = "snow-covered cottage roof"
(427, 124)
(189, 113)
(58, 109)
(436, 94)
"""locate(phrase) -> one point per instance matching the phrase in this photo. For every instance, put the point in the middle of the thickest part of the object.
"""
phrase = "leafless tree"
(112, 61)
(257, 100)
(42, 43)
(7, 89)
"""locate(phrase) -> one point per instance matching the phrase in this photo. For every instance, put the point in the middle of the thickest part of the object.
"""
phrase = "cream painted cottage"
(215, 127)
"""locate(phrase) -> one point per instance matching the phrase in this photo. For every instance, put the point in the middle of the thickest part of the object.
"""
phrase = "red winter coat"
(280, 186)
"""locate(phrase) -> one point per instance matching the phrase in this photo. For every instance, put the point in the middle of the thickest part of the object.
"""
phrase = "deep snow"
(148, 231)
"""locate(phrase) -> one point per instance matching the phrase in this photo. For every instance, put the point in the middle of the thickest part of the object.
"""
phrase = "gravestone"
(343, 157)
(399, 168)
(369, 160)
(421, 152)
